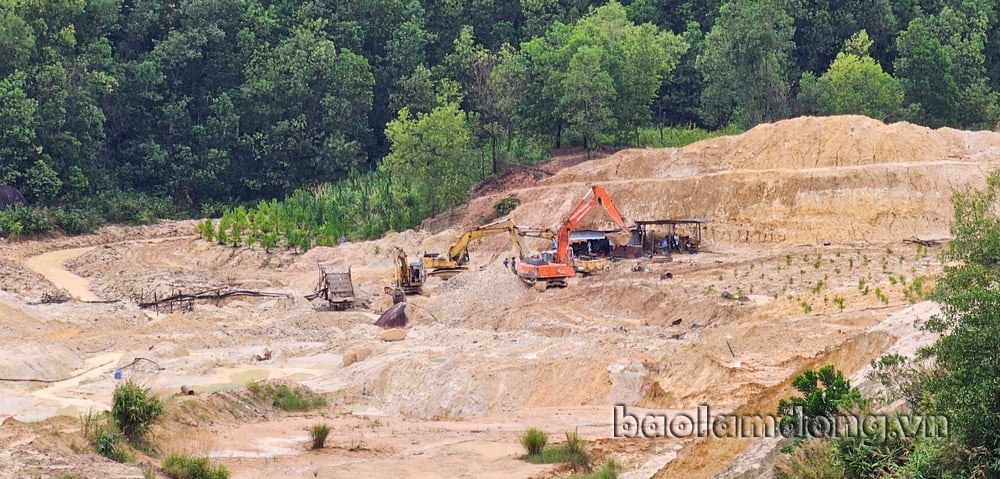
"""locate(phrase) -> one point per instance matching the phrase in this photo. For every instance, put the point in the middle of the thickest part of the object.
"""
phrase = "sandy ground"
(486, 357)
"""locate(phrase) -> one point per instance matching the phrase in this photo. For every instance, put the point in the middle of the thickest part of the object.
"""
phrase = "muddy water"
(51, 266)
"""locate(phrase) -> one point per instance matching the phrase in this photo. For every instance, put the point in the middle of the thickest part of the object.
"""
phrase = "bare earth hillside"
(485, 357)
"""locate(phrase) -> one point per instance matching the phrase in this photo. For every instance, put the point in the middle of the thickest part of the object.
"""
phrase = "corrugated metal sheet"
(586, 235)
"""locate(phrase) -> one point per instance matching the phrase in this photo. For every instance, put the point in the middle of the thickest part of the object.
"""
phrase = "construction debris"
(263, 357)
(923, 242)
(186, 299)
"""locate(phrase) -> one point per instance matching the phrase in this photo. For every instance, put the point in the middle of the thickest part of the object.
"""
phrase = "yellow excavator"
(408, 277)
(456, 259)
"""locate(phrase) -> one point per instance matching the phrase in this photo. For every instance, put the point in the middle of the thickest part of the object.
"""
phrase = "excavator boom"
(458, 254)
(596, 196)
(541, 272)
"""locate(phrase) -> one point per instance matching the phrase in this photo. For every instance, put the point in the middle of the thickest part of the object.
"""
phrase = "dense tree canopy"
(147, 107)
(745, 64)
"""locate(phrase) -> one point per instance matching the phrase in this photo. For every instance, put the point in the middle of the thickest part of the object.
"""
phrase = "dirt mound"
(471, 292)
(845, 179)
(41, 360)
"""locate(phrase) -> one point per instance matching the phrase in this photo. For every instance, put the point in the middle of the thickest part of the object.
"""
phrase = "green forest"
(384, 112)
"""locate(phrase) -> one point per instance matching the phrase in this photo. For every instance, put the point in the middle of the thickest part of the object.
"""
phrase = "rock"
(394, 317)
(168, 350)
(395, 334)
(363, 353)
(352, 356)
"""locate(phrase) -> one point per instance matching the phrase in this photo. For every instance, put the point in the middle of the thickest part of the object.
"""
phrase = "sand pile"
(468, 294)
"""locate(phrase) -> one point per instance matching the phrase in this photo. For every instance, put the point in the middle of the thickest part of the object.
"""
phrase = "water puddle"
(51, 266)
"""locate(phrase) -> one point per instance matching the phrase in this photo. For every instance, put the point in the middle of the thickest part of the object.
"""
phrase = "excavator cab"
(553, 267)
(408, 276)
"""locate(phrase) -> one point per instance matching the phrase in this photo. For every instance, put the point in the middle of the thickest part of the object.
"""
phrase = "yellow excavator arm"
(458, 254)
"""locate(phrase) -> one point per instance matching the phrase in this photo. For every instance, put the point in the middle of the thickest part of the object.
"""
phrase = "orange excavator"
(544, 271)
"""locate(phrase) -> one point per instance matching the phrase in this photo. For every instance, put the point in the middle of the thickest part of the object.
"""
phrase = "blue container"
(118, 373)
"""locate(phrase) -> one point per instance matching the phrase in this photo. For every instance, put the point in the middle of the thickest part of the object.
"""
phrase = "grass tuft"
(183, 466)
(534, 441)
(318, 433)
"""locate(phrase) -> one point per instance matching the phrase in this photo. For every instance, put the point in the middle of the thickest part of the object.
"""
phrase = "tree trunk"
(493, 146)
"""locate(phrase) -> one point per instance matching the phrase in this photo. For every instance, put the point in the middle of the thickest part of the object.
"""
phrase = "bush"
(575, 453)
(608, 471)
(534, 441)
(111, 444)
(181, 466)
(813, 460)
(25, 220)
(286, 398)
(105, 438)
(318, 434)
(134, 410)
(506, 205)
(570, 452)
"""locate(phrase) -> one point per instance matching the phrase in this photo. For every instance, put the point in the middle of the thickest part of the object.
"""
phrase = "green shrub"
(286, 398)
(608, 471)
(839, 300)
(182, 466)
(102, 434)
(134, 410)
(569, 452)
(812, 459)
(31, 220)
(318, 434)
(534, 441)
(506, 205)
(573, 448)
(76, 221)
(111, 444)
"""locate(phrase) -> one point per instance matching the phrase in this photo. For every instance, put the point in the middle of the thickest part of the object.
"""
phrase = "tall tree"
(306, 112)
(969, 394)
(674, 15)
(854, 84)
(679, 97)
(924, 70)
(962, 32)
(636, 58)
(822, 26)
(588, 92)
(746, 64)
(17, 131)
(432, 152)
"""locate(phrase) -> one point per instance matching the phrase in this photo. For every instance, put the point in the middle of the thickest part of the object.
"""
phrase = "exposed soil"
(808, 218)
